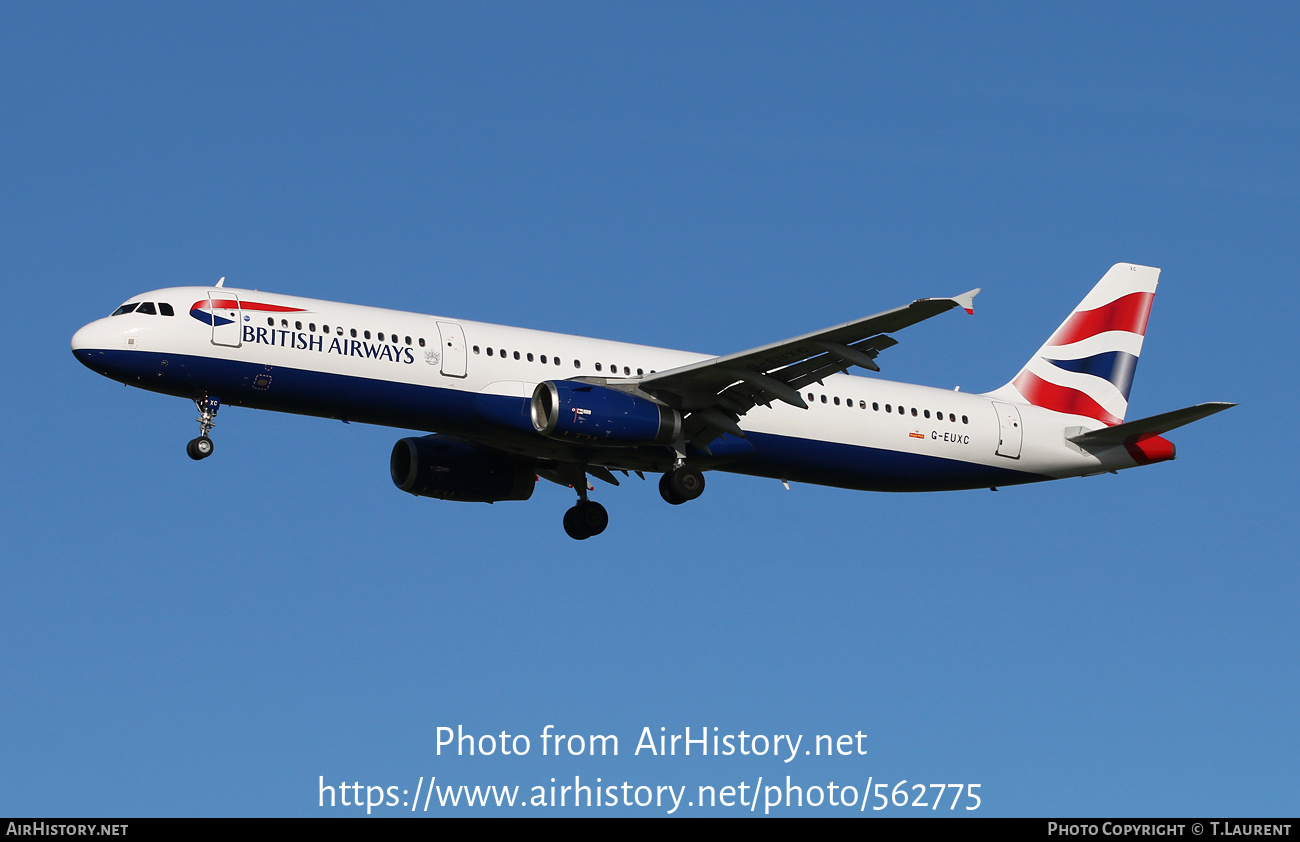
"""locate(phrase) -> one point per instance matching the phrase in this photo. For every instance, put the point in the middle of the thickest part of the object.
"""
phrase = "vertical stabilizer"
(1086, 367)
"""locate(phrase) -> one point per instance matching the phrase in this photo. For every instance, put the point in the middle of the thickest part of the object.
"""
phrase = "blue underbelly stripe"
(480, 417)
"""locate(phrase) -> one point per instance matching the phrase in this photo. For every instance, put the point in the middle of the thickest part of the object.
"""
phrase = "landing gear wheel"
(666, 492)
(593, 516)
(571, 526)
(681, 484)
(586, 519)
(199, 448)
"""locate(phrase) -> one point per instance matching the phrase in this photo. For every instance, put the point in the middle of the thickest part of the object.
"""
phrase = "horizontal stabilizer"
(1155, 425)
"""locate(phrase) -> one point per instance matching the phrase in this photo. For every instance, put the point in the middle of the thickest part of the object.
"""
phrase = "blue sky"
(211, 639)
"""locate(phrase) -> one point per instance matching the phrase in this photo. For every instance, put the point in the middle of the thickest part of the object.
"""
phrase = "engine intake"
(584, 412)
(449, 468)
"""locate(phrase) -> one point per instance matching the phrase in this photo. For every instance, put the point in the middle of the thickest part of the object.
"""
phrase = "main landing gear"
(681, 484)
(202, 447)
(587, 517)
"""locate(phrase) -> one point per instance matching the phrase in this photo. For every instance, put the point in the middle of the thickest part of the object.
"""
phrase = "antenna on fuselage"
(222, 281)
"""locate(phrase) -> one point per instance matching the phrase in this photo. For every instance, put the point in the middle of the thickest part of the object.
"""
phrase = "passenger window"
(597, 366)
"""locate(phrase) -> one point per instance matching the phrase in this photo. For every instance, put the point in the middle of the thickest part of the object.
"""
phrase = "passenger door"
(227, 319)
(453, 349)
(1010, 432)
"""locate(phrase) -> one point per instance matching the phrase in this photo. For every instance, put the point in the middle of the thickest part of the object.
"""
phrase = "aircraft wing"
(714, 393)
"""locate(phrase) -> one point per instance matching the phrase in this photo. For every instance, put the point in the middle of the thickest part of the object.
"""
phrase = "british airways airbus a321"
(506, 406)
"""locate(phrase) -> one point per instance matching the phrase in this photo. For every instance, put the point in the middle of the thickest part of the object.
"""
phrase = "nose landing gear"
(202, 447)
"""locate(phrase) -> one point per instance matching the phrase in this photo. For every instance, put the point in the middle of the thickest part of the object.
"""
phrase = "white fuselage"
(471, 379)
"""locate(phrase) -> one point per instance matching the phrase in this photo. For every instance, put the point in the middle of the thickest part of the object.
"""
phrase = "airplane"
(504, 407)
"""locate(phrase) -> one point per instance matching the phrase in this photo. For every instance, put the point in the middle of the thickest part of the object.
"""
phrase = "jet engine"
(449, 468)
(591, 414)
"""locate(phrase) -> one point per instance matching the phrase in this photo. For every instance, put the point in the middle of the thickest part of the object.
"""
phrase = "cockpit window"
(165, 309)
(125, 308)
(147, 309)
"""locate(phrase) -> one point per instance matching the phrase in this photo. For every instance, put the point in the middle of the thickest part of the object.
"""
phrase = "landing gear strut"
(202, 447)
(681, 484)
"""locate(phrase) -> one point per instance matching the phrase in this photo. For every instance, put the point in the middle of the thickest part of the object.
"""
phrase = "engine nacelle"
(583, 412)
(449, 468)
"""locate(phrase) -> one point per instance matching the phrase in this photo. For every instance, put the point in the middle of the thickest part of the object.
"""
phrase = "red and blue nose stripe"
(203, 310)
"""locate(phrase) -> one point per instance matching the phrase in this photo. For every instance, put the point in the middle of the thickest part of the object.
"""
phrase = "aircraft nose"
(80, 339)
(90, 338)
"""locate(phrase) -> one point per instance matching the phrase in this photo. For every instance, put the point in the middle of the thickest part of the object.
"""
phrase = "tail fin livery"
(1086, 367)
